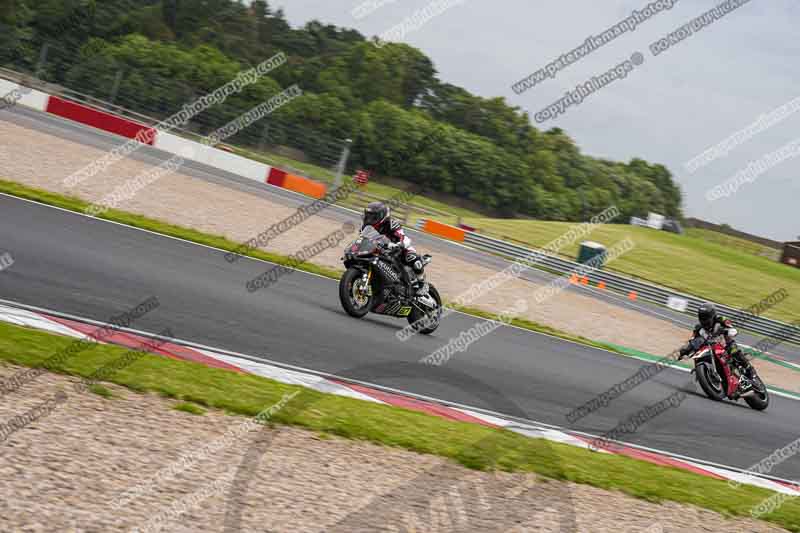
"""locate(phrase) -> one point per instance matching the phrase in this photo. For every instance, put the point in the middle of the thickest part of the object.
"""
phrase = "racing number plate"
(404, 311)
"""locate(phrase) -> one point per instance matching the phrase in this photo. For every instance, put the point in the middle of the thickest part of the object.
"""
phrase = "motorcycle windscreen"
(370, 233)
(367, 242)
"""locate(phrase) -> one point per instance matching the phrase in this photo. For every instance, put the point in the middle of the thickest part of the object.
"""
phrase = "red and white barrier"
(168, 142)
(29, 97)
(100, 119)
(171, 143)
(208, 155)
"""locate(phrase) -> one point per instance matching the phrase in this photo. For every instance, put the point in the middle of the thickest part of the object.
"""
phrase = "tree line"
(154, 56)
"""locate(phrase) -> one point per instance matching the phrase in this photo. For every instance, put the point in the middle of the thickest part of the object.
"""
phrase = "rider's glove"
(391, 246)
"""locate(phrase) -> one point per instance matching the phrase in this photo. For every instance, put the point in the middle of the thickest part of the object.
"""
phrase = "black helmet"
(375, 214)
(706, 314)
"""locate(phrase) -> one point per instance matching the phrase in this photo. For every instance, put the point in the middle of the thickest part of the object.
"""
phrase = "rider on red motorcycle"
(711, 324)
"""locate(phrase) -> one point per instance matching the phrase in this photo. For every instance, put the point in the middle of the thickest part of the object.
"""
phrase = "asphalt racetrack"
(92, 268)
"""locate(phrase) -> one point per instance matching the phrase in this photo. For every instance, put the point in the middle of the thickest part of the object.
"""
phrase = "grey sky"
(668, 110)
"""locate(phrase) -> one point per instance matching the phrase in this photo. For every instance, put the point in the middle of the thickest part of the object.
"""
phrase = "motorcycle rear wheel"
(348, 286)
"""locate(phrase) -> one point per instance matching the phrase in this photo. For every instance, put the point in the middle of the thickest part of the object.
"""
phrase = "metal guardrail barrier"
(359, 199)
(626, 285)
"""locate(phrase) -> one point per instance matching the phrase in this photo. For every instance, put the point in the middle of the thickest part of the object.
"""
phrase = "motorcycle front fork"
(365, 284)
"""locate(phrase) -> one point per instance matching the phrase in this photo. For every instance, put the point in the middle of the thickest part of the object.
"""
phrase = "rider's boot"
(749, 373)
(419, 286)
(746, 365)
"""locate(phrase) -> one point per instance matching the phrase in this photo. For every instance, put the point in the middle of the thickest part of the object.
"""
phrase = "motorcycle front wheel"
(354, 293)
(710, 382)
(426, 323)
(760, 399)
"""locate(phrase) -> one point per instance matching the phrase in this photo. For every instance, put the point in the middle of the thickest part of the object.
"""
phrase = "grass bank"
(689, 263)
(471, 445)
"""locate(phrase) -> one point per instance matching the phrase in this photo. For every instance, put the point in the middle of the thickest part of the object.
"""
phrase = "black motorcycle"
(377, 281)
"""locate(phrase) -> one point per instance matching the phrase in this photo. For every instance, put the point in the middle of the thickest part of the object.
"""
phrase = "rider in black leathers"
(711, 324)
(378, 215)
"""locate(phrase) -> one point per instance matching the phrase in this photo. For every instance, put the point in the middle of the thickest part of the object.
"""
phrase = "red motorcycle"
(720, 376)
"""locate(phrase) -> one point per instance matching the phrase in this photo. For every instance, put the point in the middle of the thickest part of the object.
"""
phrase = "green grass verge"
(346, 417)
(729, 241)
(188, 407)
(688, 263)
(100, 390)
